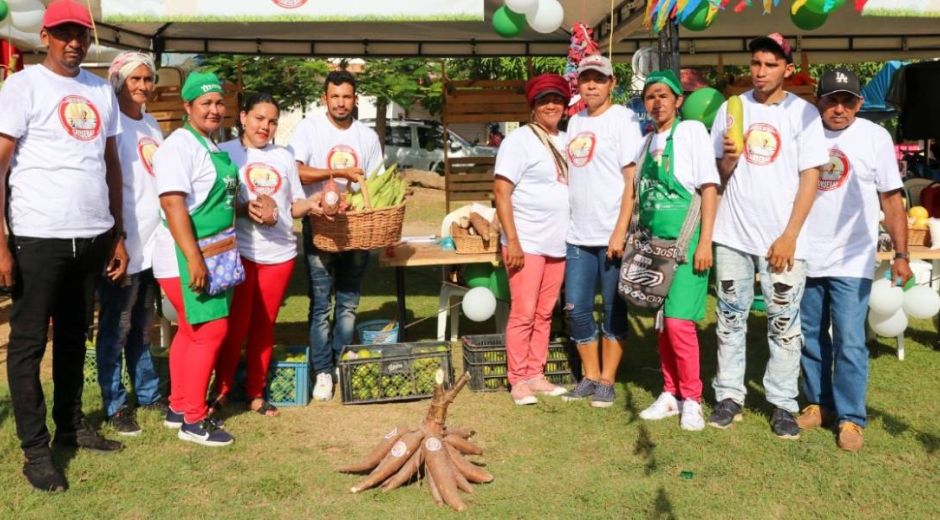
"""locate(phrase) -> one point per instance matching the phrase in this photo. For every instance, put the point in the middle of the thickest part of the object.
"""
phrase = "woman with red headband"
(531, 189)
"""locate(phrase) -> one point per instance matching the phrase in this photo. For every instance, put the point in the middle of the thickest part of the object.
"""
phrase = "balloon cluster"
(582, 44)
(812, 14)
(890, 306)
(22, 15)
(544, 16)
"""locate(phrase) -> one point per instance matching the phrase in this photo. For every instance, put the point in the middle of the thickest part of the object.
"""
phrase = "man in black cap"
(842, 232)
(769, 190)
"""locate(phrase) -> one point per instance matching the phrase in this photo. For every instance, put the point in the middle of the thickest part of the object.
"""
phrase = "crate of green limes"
(484, 356)
(392, 372)
(289, 376)
(91, 367)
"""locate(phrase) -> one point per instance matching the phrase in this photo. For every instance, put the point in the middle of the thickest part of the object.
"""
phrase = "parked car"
(415, 143)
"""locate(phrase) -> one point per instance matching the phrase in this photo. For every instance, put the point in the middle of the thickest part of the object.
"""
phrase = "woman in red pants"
(197, 184)
(270, 197)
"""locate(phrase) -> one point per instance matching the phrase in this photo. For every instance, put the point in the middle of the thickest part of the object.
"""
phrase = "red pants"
(254, 311)
(192, 357)
(534, 290)
(679, 359)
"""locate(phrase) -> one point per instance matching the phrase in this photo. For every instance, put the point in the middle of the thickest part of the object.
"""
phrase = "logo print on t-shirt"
(835, 172)
(289, 4)
(262, 179)
(581, 148)
(341, 157)
(761, 144)
(146, 147)
(79, 117)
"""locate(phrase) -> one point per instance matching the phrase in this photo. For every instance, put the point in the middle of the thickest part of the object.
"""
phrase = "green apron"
(664, 203)
(215, 214)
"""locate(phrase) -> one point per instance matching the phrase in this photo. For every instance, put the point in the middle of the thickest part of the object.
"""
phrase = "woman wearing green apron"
(197, 184)
(677, 162)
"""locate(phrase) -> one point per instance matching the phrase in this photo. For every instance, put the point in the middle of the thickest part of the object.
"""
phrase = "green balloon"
(508, 23)
(808, 20)
(478, 275)
(4, 10)
(499, 284)
(698, 19)
(819, 6)
(702, 105)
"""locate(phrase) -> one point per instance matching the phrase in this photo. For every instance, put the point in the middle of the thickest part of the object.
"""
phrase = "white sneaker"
(692, 419)
(323, 390)
(664, 406)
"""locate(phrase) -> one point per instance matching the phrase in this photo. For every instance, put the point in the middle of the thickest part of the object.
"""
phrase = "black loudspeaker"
(920, 92)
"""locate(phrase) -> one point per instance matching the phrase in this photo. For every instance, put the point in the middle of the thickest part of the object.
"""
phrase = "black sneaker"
(124, 423)
(784, 425)
(206, 433)
(172, 420)
(725, 413)
(87, 438)
(585, 389)
(603, 396)
(43, 475)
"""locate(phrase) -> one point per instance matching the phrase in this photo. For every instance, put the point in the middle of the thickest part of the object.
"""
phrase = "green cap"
(665, 76)
(198, 84)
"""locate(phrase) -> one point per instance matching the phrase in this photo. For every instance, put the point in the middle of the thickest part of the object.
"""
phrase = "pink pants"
(192, 357)
(254, 311)
(534, 290)
(679, 359)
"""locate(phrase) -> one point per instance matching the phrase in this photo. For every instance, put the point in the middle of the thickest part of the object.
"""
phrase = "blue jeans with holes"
(124, 327)
(835, 367)
(332, 276)
(734, 274)
(586, 268)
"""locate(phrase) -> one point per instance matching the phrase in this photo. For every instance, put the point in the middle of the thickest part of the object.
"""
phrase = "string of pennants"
(698, 15)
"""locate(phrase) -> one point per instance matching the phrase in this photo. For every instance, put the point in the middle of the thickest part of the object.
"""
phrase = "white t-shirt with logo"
(597, 151)
(270, 171)
(842, 228)
(181, 164)
(137, 143)
(780, 141)
(319, 144)
(540, 194)
(58, 184)
(694, 164)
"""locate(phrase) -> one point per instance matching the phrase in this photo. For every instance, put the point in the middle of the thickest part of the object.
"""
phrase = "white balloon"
(890, 325)
(168, 310)
(27, 21)
(547, 18)
(886, 298)
(921, 302)
(479, 304)
(525, 7)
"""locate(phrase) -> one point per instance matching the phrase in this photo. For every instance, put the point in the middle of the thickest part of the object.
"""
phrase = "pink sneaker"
(541, 385)
(522, 394)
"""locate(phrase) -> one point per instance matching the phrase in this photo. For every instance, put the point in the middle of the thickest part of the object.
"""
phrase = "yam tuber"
(378, 453)
(480, 225)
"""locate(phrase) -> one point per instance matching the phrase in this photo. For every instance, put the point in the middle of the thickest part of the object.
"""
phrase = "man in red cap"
(58, 132)
(769, 190)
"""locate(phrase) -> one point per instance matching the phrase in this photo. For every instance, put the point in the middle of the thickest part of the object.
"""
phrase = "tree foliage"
(294, 82)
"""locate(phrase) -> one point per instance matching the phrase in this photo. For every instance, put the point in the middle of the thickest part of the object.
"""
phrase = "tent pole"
(445, 137)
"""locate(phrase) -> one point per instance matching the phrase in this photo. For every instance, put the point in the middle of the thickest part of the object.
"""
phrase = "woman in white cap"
(127, 308)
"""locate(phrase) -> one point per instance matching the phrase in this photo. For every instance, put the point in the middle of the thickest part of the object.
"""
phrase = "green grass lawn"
(552, 460)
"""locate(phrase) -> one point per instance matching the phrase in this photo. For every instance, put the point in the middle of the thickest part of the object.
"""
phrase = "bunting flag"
(797, 4)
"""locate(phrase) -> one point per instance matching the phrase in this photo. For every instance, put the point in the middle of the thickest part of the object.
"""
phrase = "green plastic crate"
(484, 356)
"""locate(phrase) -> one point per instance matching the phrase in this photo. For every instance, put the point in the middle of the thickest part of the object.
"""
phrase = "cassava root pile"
(432, 450)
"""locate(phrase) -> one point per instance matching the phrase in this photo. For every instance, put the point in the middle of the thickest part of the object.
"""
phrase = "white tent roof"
(847, 36)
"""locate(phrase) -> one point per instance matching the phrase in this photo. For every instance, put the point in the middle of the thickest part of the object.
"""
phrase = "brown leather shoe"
(850, 436)
(814, 416)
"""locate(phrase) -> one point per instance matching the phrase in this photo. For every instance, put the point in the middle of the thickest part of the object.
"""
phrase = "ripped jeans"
(734, 272)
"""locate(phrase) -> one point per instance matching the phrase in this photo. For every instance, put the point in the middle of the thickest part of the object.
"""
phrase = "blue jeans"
(332, 275)
(585, 268)
(124, 326)
(835, 367)
(734, 273)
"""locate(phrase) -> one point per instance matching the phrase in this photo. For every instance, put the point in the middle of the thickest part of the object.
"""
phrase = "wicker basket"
(366, 229)
(918, 237)
(473, 244)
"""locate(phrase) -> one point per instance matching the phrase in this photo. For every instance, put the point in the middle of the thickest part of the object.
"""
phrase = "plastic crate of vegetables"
(484, 356)
(289, 376)
(392, 372)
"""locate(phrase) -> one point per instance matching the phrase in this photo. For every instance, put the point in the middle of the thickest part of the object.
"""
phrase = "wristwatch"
(902, 256)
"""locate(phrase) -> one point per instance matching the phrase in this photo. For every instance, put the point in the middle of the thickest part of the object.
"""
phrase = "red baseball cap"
(61, 12)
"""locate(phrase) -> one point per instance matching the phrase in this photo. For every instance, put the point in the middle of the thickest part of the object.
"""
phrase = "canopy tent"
(876, 91)
(846, 36)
